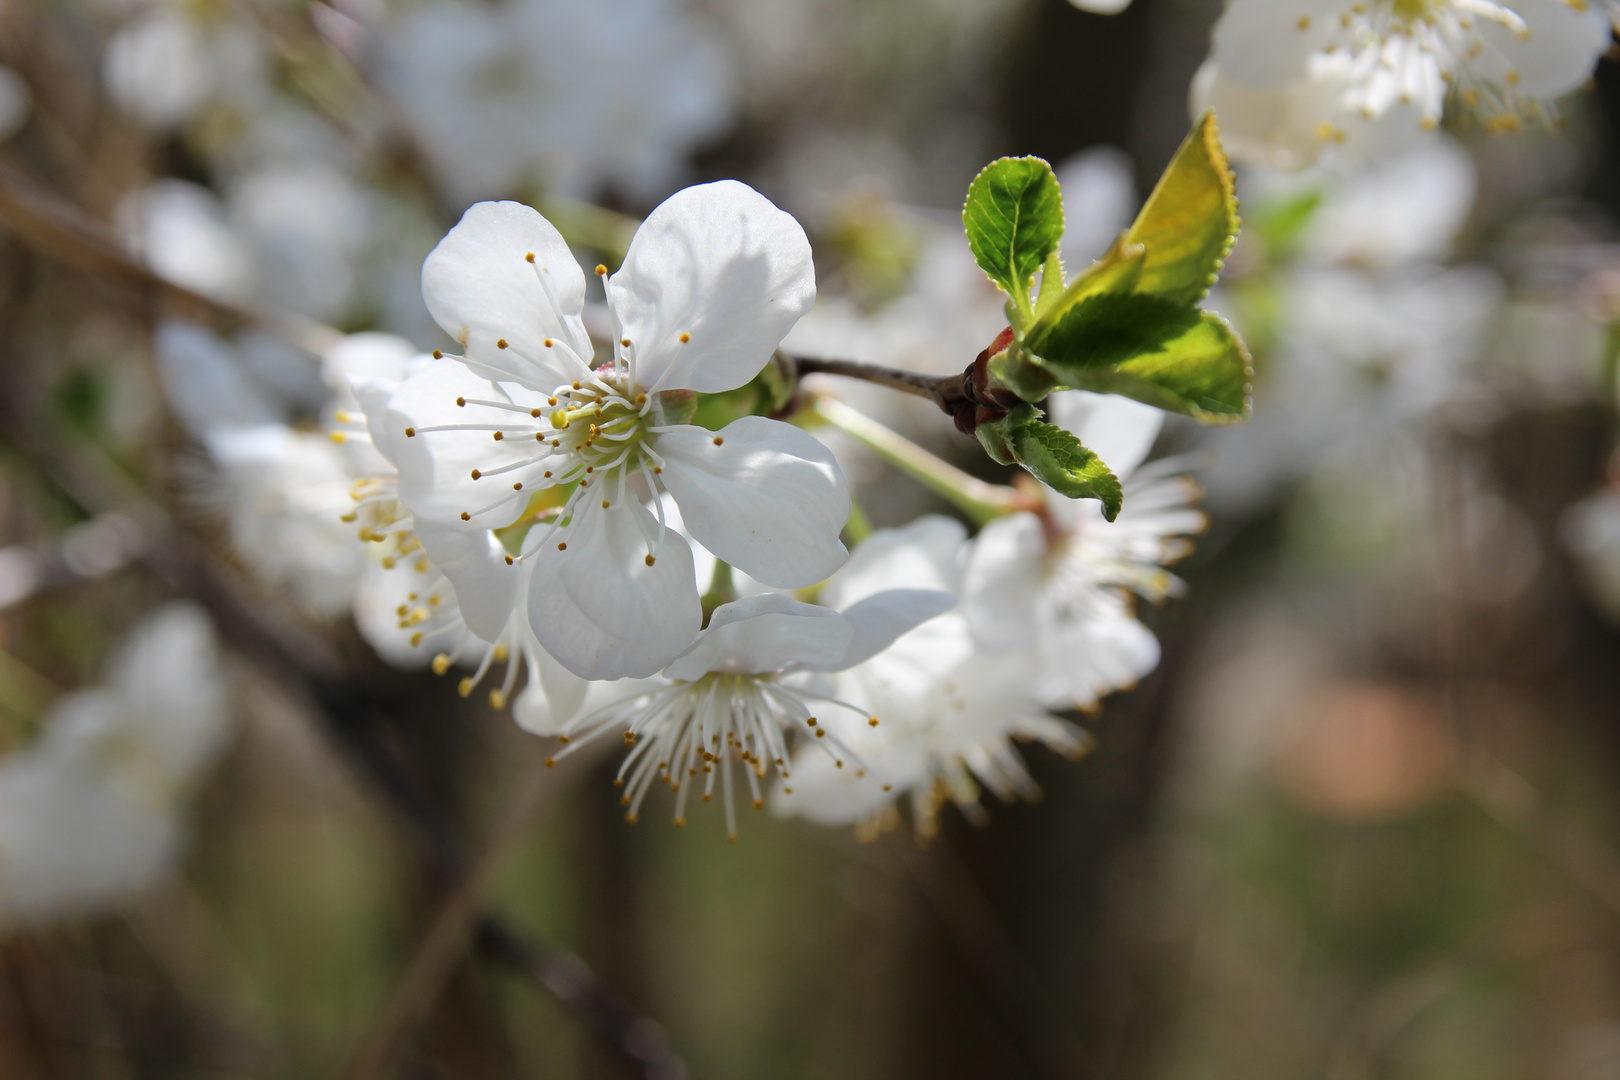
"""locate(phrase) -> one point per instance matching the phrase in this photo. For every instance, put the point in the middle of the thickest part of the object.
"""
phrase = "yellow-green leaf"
(1190, 221)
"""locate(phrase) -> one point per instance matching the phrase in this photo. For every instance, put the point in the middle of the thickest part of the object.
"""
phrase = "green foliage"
(1014, 220)
(1109, 329)
(1058, 460)
(1203, 371)
(1190, 221)
(1052, 455)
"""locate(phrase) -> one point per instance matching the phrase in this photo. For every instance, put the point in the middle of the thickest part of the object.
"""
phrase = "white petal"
(1094, 655)
(927, 554)
(765, 496)
(1116, 429)
(765, 633)
(1102, 7)
(486, 586)
(881, 618)
(1268, 42)
(205, 383)
(1003, 583)
(554, 693)
(482, 289)
(721, 263)
(599, 608)
(1564, 44)
(435, 467)
(370, 356)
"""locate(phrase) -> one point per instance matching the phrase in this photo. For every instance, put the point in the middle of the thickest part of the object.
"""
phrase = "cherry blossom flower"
(1058, 586)
(712, 281)
(743, 683)
(90, 812)
(950, 710)
(1287, 72)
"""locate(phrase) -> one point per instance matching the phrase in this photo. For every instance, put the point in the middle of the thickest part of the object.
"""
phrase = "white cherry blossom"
(1058, 586)
(91, 811)
(712, 281)
(950, 710)
(743, 683)
(1297, 75)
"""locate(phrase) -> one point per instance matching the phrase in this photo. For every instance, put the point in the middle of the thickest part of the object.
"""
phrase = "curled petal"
(713, 281)
(765, 633)
(927, 554)
(881, 618)
(765, 496)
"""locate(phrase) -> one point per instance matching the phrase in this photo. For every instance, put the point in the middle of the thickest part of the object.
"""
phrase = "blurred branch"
(349, 715)
(58, 229)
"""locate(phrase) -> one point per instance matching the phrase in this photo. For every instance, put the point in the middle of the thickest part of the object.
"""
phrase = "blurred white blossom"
(573, 97)
(948, 711)
(1290, 78)
(93, 810)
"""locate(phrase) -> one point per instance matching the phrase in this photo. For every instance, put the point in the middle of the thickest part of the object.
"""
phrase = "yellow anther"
(549, 343)
(497, 700)
(437, 355)
(388, 562)
(528, 257)
(718, 440)
(441, 663)
(500, 343)
(410, 433)
(501, 652)
(465, 687)
(685, 337)
(651, 559)
(873, 722)
(476, 474)
(600, 269)
(337, 436)
(499, 436)
(563, 546)
(416, 639)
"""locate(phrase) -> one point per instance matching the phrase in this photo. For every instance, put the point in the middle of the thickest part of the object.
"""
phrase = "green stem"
(721, 589)
(980, 501)
(859, 526)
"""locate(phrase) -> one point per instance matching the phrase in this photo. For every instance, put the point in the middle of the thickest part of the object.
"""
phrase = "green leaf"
(1014, 220)
(1204, 372)
(1190, 221)
(1058, 460)
(1111, 328)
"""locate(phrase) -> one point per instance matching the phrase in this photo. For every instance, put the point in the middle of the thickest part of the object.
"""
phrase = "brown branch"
(58, 229)
(942, 390)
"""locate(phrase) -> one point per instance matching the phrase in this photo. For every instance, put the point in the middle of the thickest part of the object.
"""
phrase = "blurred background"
(1363, 821)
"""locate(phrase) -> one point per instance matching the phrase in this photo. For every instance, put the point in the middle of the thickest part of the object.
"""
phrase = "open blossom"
(91, 811)
(712, 281)
(1057, 587)
(737, 690)
(950, 710)
(1289, 78)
